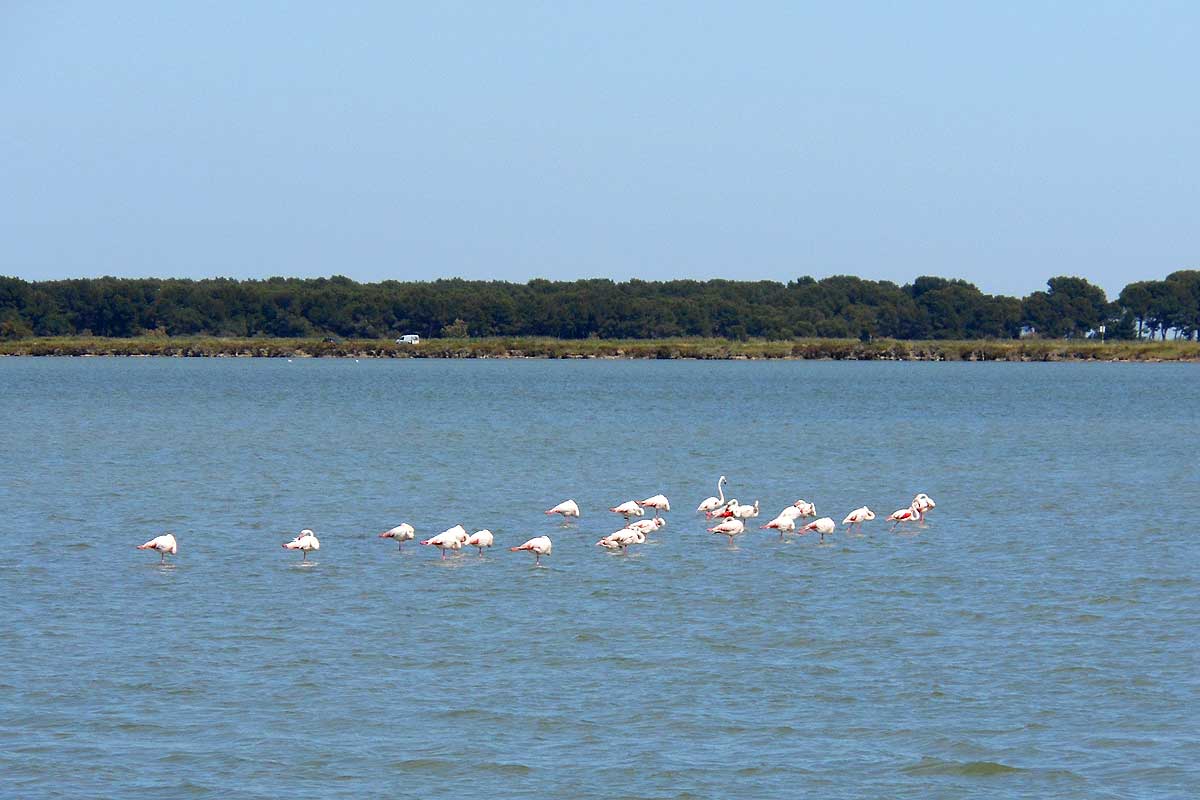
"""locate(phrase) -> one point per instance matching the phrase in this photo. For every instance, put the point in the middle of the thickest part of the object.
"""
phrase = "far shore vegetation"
(684, 316)
(672, 348)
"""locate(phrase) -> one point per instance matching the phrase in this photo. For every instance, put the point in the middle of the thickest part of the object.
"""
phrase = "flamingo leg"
(304, 555)
(162, 557)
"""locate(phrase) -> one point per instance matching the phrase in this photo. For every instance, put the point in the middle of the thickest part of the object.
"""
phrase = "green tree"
(1136, 299)
(1187, 290)
(1070, 307)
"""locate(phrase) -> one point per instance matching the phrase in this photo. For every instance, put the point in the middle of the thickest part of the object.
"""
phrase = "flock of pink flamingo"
(734, 515)
(730, 512)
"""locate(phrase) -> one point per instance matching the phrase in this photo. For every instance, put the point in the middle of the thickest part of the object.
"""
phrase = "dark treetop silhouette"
(838, 306)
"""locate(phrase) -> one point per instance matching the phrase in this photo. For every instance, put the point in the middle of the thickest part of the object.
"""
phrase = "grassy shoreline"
(533, 347)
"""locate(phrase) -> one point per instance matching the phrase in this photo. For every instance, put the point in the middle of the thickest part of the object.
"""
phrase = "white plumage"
(538, 545)
(306, 542)
(628, 509)
(823, 526)
(783, 524)
(481, 539)
(401, 533)
(164, 544)
(567, 508)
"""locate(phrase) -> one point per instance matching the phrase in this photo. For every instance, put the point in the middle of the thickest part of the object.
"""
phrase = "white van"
(409, 338)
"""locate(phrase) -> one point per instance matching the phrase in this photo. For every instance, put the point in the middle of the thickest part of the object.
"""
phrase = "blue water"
(1037, 639)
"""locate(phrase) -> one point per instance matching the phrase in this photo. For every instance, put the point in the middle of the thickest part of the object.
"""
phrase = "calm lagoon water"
(1037, 639)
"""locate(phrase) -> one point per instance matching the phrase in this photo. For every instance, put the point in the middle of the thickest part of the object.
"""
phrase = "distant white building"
(409, 338)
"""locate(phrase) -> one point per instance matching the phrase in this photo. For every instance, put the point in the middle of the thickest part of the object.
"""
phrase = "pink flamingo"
(306, 543)
(401, 533)
(746, 512)
(481, 539)
(711, 504)
(805, 508)
(449, 539)
(823, 526)
(163, 544)
(567, 508)
(622, 539)
(628, 509)
(538, 545)
(647, 526)
(909, 514)
(726, 511)
(783, 524)
(658, 502)
(729, 527)
(923, 503)
(857, 517)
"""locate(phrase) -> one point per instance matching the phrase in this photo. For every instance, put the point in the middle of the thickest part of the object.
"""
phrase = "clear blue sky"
(1002, 143)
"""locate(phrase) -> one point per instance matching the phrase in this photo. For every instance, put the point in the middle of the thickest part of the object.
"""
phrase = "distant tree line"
(839, 306)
